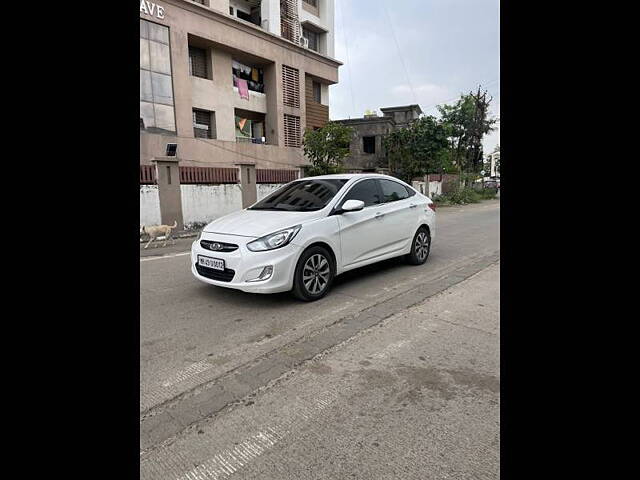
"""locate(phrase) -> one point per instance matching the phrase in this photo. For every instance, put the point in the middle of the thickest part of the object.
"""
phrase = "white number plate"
(209, 262)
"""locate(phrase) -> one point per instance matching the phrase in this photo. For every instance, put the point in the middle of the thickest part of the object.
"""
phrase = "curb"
(179, 235)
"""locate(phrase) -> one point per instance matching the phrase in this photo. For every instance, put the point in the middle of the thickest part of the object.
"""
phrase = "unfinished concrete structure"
(366, 148)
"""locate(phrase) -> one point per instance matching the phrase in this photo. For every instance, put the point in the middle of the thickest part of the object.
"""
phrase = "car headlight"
(274, 240)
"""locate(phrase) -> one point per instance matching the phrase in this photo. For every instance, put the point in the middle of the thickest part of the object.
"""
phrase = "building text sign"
(151, 8)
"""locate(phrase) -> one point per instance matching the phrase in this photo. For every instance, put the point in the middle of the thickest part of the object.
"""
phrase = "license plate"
(215, 263)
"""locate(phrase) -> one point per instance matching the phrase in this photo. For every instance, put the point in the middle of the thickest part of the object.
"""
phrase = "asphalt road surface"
(205, 352)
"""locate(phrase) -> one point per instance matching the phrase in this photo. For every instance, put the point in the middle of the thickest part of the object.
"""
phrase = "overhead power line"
(393, 33)
(346, 46)
(484, 85)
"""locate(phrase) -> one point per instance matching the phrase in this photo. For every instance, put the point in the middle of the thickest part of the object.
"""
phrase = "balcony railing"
(250, 140)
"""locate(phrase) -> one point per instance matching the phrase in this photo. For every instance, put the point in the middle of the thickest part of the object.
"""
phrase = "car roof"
(349, 176)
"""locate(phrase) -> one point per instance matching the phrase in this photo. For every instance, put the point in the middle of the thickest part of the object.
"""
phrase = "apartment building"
(234, 81)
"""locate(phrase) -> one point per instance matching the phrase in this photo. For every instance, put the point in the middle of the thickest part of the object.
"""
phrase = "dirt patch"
(374, 378)
(472, 379)
(320, 368)
(423, 378)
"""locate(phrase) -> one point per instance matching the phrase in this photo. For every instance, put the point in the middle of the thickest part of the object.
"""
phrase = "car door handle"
(413, 205)
(379, 215)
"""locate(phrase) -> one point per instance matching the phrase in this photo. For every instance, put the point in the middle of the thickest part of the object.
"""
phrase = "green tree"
(418, 149)
(327, 147)
(467, 121)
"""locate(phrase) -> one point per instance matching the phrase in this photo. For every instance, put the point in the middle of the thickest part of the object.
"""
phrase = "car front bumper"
(247, 265)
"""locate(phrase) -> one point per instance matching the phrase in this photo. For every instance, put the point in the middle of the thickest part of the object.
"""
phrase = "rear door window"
(392, 191)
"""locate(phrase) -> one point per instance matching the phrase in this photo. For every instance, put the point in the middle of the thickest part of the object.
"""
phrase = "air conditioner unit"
(304, 42)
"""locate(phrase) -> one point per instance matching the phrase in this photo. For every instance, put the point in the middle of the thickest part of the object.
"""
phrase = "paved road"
(195, 336)
(416, 397)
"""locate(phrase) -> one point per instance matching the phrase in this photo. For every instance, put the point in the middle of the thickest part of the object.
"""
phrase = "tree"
(467, 121)
(418, 149)
(327, 147)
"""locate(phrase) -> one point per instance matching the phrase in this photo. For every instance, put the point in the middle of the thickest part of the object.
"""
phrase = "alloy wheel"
(422, 246)
(315, 274)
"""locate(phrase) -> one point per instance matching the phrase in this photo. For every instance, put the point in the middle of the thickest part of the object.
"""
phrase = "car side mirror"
(352, 205)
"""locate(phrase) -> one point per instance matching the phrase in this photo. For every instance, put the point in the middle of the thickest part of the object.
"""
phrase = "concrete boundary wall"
(149, 205)
(200, 203)
(265, 189)
(204, 203)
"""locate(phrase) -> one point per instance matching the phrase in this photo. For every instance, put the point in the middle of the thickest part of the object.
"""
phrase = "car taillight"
(432, 206)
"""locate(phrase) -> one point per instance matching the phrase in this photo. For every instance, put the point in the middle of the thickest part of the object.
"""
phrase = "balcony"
(250, 126)
(247, 10)
(248, 85)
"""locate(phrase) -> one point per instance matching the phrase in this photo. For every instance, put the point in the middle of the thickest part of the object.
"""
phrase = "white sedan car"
(309, 231)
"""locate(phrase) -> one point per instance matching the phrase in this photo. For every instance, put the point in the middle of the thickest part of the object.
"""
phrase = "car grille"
(213, 274)
(225, 247)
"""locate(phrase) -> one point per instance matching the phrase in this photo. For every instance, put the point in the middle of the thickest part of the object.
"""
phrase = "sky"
(427, 52)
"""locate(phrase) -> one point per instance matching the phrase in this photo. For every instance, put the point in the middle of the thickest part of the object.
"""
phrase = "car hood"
(256, 223)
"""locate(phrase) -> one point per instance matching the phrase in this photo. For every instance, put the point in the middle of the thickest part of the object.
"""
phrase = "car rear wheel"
(420, 247)
(314, 274)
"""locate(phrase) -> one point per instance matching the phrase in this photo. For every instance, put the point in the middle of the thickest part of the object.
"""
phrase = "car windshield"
(302, 195)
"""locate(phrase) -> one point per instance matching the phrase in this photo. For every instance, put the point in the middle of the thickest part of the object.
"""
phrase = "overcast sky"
(447, 46)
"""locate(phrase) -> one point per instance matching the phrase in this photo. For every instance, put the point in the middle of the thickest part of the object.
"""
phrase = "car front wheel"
(420, 247)
(314, 274)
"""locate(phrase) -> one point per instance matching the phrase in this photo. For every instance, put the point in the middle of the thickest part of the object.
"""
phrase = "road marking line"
(148, 259)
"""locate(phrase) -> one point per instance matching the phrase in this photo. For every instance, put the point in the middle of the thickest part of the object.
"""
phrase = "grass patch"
(464, 196)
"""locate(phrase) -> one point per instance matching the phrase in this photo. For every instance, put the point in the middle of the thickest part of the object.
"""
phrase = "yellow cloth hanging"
(254, 74)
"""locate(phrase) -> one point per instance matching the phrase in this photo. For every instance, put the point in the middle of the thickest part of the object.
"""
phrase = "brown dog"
(156, 231)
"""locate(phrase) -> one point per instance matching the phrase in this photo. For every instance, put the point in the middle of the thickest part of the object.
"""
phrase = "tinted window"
(367, 191)
(392, 191)
(410, 191)
(302, 196)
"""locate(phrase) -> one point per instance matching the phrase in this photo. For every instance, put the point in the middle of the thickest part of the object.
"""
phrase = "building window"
(291, 131)
(369, 144)
(312, 37)
(156, 86)
(244, 16)
(204, 125)
(313, 3)
(289, 23)
(290, 86)
(317, 95)
(230, 10)
(198, 62)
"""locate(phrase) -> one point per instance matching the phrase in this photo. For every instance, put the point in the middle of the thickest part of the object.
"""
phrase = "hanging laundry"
(254, 74)
(243, 88)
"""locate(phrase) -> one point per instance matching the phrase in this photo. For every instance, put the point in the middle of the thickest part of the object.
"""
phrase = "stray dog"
(156, 231)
